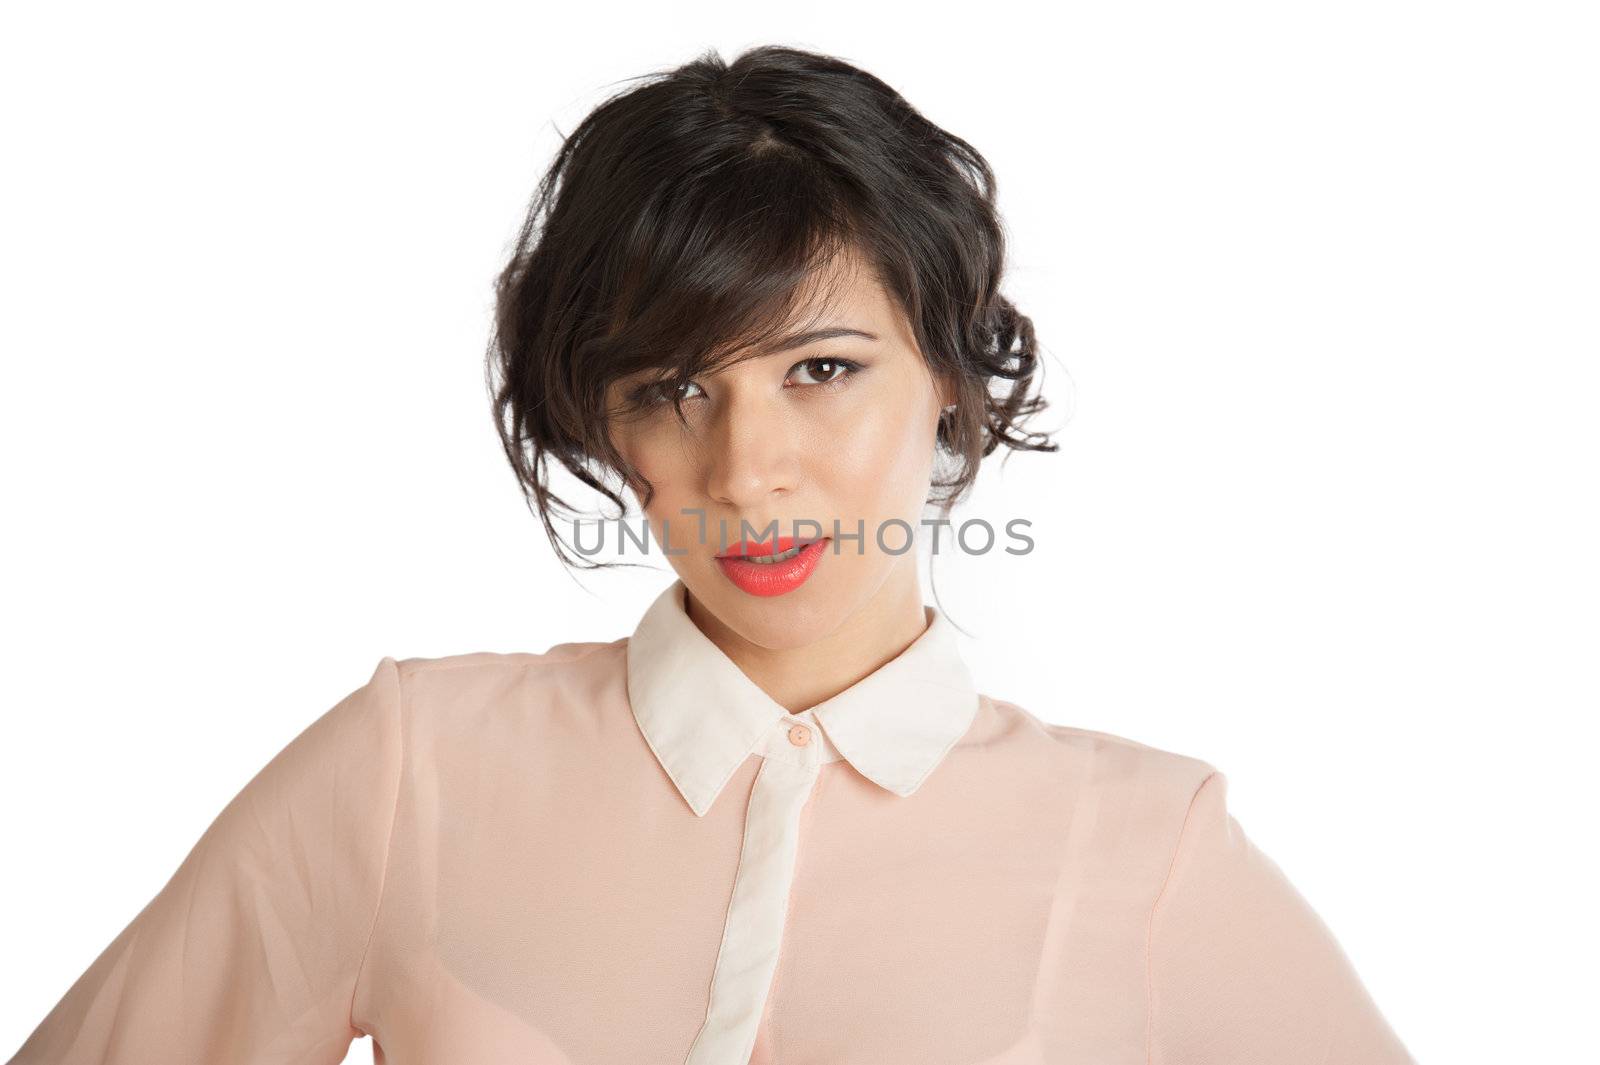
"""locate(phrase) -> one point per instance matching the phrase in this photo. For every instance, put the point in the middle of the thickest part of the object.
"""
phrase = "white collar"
(702, 717)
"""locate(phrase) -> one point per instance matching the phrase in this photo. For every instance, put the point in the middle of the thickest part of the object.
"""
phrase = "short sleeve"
(1242, 970)
(251, 951)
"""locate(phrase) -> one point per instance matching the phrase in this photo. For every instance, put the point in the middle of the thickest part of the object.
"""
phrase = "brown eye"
(658, 392)
(830, 370)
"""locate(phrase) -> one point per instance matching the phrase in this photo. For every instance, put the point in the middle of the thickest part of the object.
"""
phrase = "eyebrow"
(800, 340)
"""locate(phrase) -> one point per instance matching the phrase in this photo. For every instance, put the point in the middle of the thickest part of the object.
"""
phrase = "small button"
(799, 735)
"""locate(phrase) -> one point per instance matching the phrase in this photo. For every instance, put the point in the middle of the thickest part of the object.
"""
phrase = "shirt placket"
(793, 753)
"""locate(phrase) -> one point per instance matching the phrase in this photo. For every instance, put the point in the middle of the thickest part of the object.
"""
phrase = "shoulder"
(459, 684)
(1102, 761)
(1119, 804)
(465, 667)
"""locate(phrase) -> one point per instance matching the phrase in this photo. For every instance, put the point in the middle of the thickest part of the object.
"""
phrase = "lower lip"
(773, 578)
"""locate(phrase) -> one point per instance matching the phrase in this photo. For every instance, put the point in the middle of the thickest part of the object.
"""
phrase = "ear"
(944, 389)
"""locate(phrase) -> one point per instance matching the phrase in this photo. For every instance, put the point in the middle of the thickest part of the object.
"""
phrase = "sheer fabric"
(625, 853)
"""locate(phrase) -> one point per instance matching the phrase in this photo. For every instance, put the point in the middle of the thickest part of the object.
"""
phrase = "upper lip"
(763, 548)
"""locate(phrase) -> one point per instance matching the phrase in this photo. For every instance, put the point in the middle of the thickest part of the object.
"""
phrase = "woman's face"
(839, 429)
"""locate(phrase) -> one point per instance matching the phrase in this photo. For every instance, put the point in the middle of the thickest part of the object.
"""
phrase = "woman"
(776, 822)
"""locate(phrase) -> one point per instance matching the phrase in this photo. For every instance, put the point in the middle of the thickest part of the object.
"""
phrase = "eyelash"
(647, 396)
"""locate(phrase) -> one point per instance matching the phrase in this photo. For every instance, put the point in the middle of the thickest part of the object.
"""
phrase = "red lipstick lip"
(771, 578)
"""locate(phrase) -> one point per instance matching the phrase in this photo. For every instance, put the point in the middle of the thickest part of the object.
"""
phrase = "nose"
(750, 456)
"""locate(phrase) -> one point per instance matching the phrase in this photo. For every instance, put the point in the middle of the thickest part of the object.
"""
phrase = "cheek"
(662, 466)
(879, 460)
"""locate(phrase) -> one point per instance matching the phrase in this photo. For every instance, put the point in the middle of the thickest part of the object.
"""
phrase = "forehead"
(845, 292)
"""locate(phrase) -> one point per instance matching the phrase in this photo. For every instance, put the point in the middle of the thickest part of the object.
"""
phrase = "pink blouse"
(626, 853)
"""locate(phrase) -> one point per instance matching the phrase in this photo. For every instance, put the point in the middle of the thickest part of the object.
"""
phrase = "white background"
(1317, 290)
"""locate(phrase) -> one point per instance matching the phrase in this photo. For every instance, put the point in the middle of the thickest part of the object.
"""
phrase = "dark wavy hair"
(680, 221)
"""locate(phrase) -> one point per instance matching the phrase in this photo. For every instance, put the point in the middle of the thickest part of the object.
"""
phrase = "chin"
(797, 618)
(778, 623)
